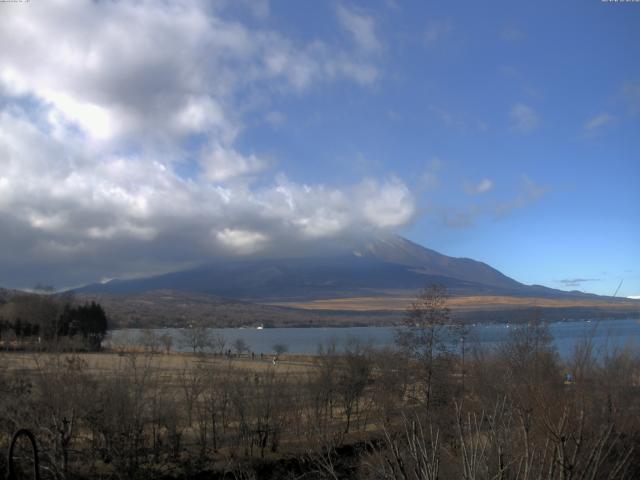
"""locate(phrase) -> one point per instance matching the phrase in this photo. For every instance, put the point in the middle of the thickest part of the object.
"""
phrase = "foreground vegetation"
(508, 414)
(417, 412)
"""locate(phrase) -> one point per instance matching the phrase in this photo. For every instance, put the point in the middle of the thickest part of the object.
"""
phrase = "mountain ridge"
(371, 283)
(377, 266)
(435, 263)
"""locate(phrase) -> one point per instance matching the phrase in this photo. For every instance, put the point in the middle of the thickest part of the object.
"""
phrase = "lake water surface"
(606, 334)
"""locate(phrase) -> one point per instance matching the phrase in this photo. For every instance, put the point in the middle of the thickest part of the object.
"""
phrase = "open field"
(352, 415)
(158, 414)
(173, 364)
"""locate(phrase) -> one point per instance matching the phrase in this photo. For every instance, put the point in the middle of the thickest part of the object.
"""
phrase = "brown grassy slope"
(174, 364)
(361, 304)
(480, 309)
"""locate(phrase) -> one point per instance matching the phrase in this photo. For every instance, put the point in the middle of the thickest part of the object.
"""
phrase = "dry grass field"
(400, 303)
(169, 364)
(357, 415)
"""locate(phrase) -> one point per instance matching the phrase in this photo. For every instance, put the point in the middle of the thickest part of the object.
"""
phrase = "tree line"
(36, 319)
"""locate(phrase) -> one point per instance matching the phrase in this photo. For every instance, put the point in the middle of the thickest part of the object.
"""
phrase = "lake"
(607, 334)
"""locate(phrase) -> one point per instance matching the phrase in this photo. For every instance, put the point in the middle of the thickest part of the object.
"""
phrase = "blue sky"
(139, 137)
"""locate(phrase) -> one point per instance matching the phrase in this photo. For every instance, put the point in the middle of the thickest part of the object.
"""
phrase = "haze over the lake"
(139, 137)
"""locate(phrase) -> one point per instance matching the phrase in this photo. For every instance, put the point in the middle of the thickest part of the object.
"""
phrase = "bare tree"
(392, 381)
(63, 390)
(240, 346)
(424, 336)
(119, 414)
(191, 381)
(353, 377)
(196, 337)
(413, 453)
(218, 342)
(149, 340)
(322, 388)
(167, 342)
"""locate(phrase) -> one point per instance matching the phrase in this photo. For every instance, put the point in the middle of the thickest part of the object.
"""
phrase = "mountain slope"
(380, 266)
(401, 251)
(5, 295)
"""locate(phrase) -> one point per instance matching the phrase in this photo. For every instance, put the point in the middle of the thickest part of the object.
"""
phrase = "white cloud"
(275, 119)
(599, 121)
(529, 193)
(523, 118)
(483, 186)
(102, 216)
(387, 205)
(156, 70)
(201, 114)
(100, 112)
(634, 297)
(241, 241)
(361, 27)
(430, 178)
(223, 164)
(436, 30)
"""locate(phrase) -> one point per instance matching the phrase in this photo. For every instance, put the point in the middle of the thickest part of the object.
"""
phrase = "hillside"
(372, 283)
(5, 294)
(380, 267)
(165, 308)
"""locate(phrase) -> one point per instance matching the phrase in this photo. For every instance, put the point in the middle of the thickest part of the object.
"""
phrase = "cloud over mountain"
(119, 140)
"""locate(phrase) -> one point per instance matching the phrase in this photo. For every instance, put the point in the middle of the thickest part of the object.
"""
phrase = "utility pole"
(462, 338)
(617, 289)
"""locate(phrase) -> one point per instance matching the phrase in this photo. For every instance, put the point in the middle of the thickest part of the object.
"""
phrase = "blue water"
(606, 335)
